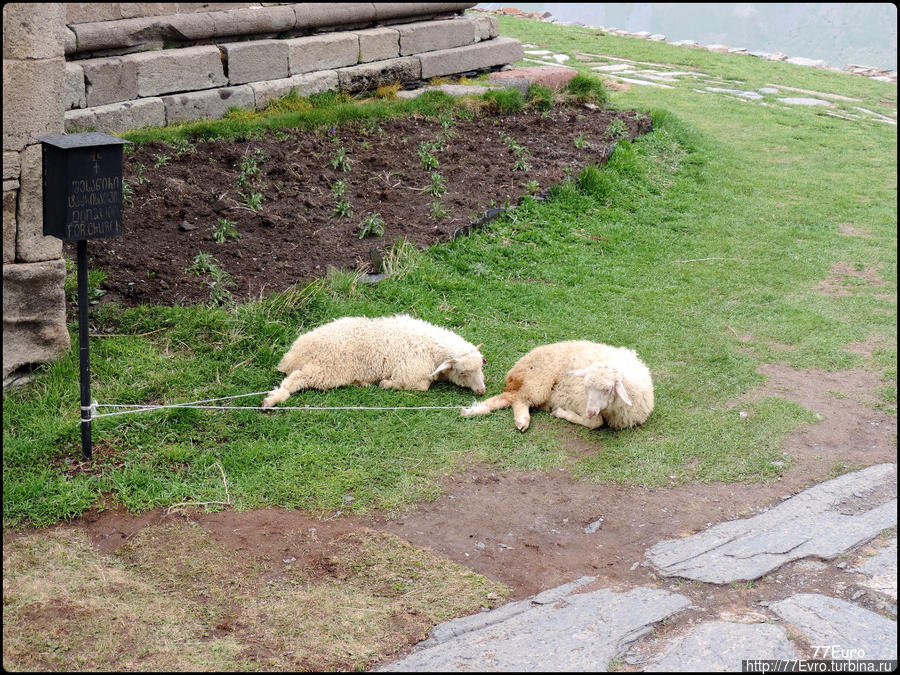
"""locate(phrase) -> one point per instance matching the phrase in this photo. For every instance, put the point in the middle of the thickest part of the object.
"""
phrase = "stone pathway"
(665, 76)
(814, 540)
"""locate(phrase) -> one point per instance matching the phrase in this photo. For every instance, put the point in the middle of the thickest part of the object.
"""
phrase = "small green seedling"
(372, 225)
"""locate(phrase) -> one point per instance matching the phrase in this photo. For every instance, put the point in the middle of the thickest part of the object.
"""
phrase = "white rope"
(136, 408)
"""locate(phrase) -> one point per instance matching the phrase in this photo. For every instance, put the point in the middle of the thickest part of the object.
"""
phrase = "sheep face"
(603, 386)
(464, 371)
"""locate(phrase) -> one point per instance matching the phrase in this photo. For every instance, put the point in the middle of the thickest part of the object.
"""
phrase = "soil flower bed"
(280, 209)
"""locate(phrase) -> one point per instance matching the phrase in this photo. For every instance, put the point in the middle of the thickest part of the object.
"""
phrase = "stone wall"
(34, 316)
(116, 66)
(146, 68)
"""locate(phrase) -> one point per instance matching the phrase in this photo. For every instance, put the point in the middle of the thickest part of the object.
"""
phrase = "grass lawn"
(719, 224)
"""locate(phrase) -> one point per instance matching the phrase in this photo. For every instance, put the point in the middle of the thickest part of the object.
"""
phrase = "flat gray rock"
(881, 571)
(582, 632)
(737, 92)
(719, 646)
(804, 101)
(822, 521)
(831, 621)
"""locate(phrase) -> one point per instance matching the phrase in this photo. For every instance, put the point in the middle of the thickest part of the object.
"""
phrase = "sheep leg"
(490, 405)
(575, 418)
(296, 380)
(520, 414)
(418, 385)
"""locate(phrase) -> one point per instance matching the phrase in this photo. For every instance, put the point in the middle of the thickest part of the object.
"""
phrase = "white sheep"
(587, 383)
(397, 352)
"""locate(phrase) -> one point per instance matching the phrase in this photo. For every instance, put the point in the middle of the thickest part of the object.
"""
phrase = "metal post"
(84, 350)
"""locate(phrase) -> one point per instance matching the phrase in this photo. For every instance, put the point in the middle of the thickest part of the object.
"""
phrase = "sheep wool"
(397, 352)
(584, 382)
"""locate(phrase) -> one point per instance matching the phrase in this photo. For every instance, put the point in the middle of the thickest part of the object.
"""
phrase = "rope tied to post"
(127, 409)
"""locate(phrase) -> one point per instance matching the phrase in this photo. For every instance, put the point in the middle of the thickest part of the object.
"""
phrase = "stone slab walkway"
(653, 629)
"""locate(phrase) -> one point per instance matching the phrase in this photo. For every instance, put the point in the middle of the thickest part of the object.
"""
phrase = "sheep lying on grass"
(397, 352)
(583, 382)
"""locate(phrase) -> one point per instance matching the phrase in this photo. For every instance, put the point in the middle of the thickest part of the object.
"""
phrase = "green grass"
(720, 223)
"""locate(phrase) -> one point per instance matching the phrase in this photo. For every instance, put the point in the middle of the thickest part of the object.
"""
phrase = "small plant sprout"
(438, 184)
(160, 161)
(225, 229)
(203, 263)
(338, 189)
(438, 212)
(580, 142)
(340, 160)
(218, 280)
(127, 192)
(532, 186)
(249, 169)
(429, 161)
(253, 200)
(372, 225)
(521, 165)
(617, 129)
(342, 209)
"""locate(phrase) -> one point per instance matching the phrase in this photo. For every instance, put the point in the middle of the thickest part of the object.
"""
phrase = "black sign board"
(82, 180)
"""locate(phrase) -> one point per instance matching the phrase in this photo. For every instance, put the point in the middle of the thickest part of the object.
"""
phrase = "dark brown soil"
(178, 199)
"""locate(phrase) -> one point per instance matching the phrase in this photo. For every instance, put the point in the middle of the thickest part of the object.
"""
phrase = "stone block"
(174, 70)
(187, 27)
(318, 15)
(256, 60)
(207, 104)
(70, 42)
(100, 35)
(74, 88)
(133, 10)
(32, 105)
(38, 30)
(88, 12)
(12, 166)
(415, 11)
(486, 27)
(116, 117)
(373, 75)
(555, 77)
(9, 222)
(479, 56)
(322, 52)
(378, 44)
(31, 244)
(305, 85)
(254, 20)
(34, 314)
(428, 36)
(109, 79)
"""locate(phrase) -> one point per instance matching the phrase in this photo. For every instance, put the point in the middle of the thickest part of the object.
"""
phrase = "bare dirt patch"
(299, 229)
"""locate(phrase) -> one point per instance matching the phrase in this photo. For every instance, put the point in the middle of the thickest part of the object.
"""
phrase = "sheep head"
(603, 386)
(463, 370)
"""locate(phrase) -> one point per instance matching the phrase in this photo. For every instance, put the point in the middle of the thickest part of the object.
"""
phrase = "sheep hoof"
(522, 425)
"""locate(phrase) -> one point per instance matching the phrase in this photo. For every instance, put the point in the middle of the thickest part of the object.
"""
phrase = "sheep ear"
(581, 372)
(446, 365)
(620, 390)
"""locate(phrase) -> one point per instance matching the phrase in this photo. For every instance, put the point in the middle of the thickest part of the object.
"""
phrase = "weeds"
(338, 189)
(252, 200)
(217, 279)
(371, 226)
(343, 209)
(340, 161)
(587, 88)
(225, 229)
(438, 185)
(438, 211)
(617, 129)
(580, 143)
(428, 160)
